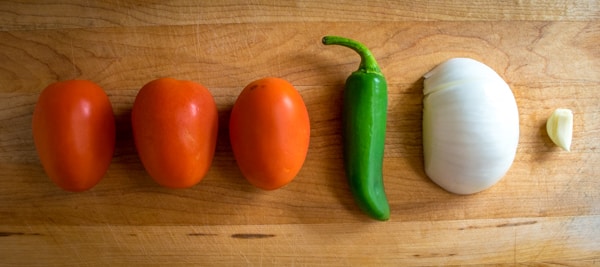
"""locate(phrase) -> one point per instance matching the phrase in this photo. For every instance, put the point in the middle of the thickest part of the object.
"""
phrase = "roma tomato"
(74, 133)
(269, 131)
(175, 126)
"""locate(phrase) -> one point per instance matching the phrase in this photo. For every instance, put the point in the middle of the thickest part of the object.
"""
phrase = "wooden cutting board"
(546, 210)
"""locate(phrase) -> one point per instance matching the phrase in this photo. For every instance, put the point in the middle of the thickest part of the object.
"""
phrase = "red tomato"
(74, 133)
(269, 131)
(175, 127)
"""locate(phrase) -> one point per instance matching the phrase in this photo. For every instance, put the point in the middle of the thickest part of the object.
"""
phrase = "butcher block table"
(545, 211)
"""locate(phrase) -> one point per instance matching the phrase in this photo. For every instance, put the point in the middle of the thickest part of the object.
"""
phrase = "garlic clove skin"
(560, 128)
(470, 126)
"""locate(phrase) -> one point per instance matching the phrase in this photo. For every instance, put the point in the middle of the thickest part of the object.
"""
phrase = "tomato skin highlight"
(74, 133)
(269, 131)
(175, 126)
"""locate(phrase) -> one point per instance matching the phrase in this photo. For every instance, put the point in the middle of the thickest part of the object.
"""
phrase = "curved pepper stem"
(367, 61)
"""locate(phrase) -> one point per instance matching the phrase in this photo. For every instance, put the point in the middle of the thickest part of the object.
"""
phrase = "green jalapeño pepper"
(363, 129)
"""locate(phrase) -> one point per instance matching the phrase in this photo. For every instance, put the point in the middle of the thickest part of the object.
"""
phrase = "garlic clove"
(560, 128)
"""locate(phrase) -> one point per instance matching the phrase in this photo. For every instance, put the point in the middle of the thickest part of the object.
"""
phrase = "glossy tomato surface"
(175, 126)
(269, 131)
(74, 133)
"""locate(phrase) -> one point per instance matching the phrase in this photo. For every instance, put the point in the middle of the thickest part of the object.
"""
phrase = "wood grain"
(545, 211)
(513, 241)
(35, 15)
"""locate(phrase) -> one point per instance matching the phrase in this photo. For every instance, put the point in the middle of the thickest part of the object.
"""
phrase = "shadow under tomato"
(224, 166)
(125, 158)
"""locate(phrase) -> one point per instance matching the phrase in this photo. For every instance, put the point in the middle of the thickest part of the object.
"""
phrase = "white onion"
(470, 126)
